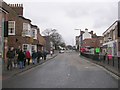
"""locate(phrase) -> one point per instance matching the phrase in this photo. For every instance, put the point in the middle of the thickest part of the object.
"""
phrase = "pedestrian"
(10, 55)
(28, 57)
(51, 52)
(21, 57)
(17, 52)
(34, 57)
(24, 59)
(39, 56)
(16, 60)
(105, 55)
(44, 54)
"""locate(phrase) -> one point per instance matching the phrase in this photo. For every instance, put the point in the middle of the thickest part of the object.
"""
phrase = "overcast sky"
(67, 15)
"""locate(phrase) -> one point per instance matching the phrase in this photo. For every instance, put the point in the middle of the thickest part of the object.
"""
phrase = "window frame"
(10, 28)
(27, 30)
(23, 47)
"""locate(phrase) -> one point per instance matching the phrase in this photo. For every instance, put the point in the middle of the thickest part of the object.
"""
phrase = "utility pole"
(79, 39)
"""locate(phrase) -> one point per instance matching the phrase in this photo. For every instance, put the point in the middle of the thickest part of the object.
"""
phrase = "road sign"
(97, 50)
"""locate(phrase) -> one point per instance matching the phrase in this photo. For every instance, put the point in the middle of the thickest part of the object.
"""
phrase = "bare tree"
(55, 37)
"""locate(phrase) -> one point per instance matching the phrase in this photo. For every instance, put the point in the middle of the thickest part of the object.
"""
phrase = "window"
(101, 41)
(34, 48)
(33, 33)
(25, 47)
(27, 29)
(114, 35)
(11, 27)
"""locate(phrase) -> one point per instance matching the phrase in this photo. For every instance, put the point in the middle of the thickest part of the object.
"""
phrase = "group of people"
(18, 57)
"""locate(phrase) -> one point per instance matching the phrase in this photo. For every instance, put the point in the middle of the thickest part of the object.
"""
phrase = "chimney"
(92, 32)
(86, 29)
(18, 8)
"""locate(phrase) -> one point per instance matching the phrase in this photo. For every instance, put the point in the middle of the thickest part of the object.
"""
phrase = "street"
(67, 70)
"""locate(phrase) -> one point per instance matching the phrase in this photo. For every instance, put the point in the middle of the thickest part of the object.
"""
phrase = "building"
(41, 42)
(84, 35)
(21, 33)
(91, 44)
(3, 30)
(77, 42)
(49, 44)
(111, 42)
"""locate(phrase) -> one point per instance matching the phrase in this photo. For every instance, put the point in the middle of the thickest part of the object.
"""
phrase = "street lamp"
(79, 38)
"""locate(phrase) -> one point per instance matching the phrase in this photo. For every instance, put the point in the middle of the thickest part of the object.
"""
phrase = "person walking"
(39, 56)
(10, 55)
(51, 53)
(24, 58)
(28, 57)
(44, 55)
(34, 57)
(21, 57)
(17, 52)
(105, 56)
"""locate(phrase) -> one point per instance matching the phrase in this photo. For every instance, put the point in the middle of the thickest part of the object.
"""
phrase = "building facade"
(111, 41)
(21, 33)
(3, 31)
(49, 44)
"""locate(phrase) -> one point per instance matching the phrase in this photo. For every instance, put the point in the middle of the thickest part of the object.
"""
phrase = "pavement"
(6, 74)
(106, 66)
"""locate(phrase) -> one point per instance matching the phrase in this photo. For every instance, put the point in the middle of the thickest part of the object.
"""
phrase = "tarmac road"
(67, 70)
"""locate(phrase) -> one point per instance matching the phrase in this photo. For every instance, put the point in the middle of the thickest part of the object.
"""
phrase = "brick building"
(91, 43)
(20, 30)
(49, 44)
(42, 42)
(88, 40)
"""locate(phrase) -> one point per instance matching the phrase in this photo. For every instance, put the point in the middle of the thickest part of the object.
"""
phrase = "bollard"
(104, 57)
(113, 61)
(118, 62)
(108, 59)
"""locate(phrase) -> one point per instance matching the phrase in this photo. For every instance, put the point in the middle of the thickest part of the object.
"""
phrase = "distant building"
(49, 44)
(92, 43)
(77, 42)
(86, 34)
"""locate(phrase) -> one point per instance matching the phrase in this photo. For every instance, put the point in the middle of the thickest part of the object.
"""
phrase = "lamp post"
(79, 38)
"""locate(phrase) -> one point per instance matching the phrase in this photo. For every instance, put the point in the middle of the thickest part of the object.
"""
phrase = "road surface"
(67, 70)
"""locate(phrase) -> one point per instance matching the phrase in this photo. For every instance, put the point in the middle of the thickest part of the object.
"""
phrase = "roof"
(110, 26)
(41, 40)
(24, 18)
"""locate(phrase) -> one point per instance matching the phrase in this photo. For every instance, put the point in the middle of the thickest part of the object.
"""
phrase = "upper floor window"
(114, 35)
(34, 33)
(11, 27)
(101, 41)
(27, 29)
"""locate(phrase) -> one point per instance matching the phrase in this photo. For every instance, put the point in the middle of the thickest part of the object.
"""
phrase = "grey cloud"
(105, 15)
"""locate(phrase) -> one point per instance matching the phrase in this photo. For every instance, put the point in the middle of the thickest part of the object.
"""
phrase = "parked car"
(61, 51)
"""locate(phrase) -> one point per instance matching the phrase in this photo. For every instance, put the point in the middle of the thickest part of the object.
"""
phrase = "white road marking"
(68, 74)
(86, 67)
